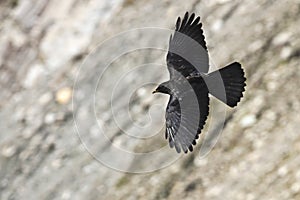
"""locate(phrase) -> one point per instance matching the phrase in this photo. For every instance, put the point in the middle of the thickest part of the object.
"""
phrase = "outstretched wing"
(186, 114)
(187, 47)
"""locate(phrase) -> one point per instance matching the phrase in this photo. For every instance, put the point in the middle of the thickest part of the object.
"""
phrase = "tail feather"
(227, 84)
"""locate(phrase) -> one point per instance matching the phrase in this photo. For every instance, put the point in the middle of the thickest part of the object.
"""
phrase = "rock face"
(76, 98)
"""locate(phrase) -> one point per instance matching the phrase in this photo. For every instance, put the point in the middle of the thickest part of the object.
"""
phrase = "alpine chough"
(190, 83)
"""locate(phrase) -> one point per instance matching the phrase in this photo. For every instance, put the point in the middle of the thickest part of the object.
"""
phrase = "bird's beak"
(154, 91)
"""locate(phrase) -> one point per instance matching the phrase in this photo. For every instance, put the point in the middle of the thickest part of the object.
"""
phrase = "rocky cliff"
(109, 56)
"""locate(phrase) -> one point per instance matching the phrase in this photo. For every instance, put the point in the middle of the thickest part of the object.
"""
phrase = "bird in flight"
(190, 83)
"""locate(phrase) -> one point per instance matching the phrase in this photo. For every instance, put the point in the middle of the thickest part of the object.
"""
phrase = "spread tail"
(227, 84)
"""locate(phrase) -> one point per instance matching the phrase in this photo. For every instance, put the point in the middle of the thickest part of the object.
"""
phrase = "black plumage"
(190, 84)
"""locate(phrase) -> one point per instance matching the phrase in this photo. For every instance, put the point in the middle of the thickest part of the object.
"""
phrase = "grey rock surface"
(56, 85)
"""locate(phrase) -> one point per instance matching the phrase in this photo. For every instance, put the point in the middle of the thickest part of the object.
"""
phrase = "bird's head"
(163, 88)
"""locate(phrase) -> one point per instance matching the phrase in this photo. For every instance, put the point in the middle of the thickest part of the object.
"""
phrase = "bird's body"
(189, 84)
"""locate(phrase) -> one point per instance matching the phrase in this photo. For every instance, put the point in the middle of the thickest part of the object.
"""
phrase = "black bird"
(190, 83)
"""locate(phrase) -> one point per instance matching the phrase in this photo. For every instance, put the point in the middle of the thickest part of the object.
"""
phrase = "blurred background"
(47, 57)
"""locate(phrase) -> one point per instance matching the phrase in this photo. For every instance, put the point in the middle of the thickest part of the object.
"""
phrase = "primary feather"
(187, 48)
